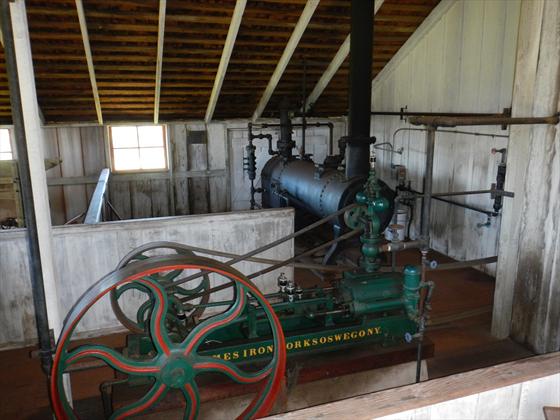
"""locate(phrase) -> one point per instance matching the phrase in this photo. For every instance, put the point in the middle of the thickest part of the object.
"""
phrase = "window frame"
(111, 151)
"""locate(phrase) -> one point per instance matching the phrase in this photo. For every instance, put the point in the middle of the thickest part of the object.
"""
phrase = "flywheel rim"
(138, 271)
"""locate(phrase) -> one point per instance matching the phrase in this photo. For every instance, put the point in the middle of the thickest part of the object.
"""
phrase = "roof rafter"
(159, 60)
(89, 59)
(226, 55)
(333, 67)
(291, 46)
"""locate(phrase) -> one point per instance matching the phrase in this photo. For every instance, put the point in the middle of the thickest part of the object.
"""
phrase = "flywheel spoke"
(212, 364)
(156, 393)
(158, 331)
(208, 326)
(190, 392)
(112, 358)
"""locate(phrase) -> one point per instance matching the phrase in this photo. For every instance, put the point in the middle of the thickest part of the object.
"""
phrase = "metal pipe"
(470, 133)
(359, 118)
(428, 182)
(403, 113)
(35, 265)
(400, 246)
(474, 192)
(465, 264)
(466, 206)
(460, 121)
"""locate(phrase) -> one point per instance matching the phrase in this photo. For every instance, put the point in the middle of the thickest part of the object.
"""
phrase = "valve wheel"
(194, 312)
(175, 364)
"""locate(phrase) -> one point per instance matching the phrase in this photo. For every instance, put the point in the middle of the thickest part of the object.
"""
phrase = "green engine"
(179, 333)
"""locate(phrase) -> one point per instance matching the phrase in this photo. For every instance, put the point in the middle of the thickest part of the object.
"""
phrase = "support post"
(224, 60)
(159, 58)
(28, 135)
(89, 59)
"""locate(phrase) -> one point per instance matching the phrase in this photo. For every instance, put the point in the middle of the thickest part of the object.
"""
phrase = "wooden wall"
(527, 297)
(85, 253)
(515, 391)
(205, 176)
(461, 59)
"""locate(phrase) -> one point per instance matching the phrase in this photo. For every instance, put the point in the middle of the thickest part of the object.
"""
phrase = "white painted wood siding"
(520, 401)
(85, 253)
(461, 59)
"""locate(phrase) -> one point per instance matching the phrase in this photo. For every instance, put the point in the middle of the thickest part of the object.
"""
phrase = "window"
(5, 145)
(138, 147)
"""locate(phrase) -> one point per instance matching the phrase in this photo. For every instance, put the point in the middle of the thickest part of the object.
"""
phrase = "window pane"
(125, 136)
(5, 141)
(150, 136)
(126, 159)
(152, 157)
(5, 156)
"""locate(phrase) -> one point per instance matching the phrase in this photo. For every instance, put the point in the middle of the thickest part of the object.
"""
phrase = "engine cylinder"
(299, 183)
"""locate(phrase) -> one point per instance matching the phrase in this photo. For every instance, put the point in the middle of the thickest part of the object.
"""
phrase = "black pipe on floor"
(35, 267)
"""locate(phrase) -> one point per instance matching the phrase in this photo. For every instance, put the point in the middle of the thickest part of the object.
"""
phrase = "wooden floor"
(461, 320)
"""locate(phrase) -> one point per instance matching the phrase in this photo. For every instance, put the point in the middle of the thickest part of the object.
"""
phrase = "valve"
(282, 282)
(299, 292)
(290, 288)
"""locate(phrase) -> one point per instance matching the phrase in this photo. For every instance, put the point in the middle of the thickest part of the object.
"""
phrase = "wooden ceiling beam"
(159, 59)
(224, 60)
(338, 59)
(293, 42)
(89, 59)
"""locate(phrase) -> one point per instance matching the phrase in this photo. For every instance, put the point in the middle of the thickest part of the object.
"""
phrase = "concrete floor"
(461, 313)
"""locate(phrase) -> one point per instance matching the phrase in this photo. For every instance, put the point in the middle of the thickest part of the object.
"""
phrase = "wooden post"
(34, 138)
(527, 295)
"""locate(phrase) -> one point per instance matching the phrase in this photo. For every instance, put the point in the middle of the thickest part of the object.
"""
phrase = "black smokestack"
(361, 44)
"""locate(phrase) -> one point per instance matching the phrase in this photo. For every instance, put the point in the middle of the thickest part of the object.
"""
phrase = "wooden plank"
(225, 58)
(430, 393)
(141, 199)
(160, 198)
(85, 253)
(217, 160)
(119, 195)
(197, 157)
(34, 143)
(140, 176)
(93, 154)
(536, 298)
(56, 193)
(519, 148)
(436, 14)
(178, 142)
(291, 46)
(159, 59)
(89, 59)
(70, 147)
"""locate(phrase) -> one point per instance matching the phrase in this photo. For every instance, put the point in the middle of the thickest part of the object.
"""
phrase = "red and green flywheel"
(173, 365)
(177, 311)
